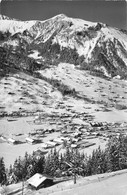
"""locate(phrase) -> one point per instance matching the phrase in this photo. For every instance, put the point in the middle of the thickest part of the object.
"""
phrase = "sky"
(112, 13)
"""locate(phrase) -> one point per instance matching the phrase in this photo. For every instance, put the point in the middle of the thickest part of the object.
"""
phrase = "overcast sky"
(110, 12)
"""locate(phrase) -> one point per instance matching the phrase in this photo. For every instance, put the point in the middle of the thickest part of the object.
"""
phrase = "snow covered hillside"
(101, 184)
(73, 57)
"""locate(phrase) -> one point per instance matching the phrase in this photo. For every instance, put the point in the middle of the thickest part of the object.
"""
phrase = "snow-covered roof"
(51, 143)
(37, 179)
(29, 139)
(44, 145)
(73, 145)
(58, 140)
(11, 140)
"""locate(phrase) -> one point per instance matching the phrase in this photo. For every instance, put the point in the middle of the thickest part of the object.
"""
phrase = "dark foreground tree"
(2, 172)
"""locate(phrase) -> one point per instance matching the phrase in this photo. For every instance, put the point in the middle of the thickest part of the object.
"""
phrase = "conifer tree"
(48, 166)
(2, 172)
(17, 169)
(55, 162)
(113, 154)
(122, 148)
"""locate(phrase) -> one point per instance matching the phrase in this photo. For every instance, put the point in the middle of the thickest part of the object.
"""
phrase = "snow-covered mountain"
(94, 45)
(41, 61)
(13, 25)
(3, 17)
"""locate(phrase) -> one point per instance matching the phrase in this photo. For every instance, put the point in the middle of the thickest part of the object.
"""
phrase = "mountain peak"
(61, 15)
(3, 17)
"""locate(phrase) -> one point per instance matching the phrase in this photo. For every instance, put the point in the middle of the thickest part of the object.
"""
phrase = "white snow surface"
(111, 33)
(79, 24)
(15, 26)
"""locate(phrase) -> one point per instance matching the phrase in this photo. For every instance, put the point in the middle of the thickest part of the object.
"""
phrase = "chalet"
(63, 131)
(3, 138)
(73, 145)
(75, 139)
(11, 119)
(96, 124)
(66, 138)
(11, 141)
(77, 134)
(38, 181)
(58, 140)
(44, 145)
(51, 130)
(52, 123)
(30, 140)
(51, 144)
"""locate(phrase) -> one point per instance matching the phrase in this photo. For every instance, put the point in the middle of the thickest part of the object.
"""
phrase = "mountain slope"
(37, 49)
(94, 46)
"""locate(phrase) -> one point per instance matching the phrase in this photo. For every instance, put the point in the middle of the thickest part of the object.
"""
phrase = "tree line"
(70, 163)
(64, 89)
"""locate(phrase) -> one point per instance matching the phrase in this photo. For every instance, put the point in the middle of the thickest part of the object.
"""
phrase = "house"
(51, 144)
(63, 131)
(73, 145)
(44, 145)
(30, 140)
(11, 119)
(58, 140)
(11, 141)
(3, 138)
(75, 139)
(77, 134)
(51, 130)
(38, 181)
(66, 139)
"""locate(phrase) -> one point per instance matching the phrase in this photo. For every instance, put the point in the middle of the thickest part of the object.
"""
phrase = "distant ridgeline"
(92, 46)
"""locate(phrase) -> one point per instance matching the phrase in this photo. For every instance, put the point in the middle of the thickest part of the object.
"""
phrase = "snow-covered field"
(105, 184)
(20, 129)
(23, 93)
(102, 184)
(94, 88)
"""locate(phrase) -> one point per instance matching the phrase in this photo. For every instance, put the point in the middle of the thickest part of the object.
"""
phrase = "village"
(75, 130)
(58, 131)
